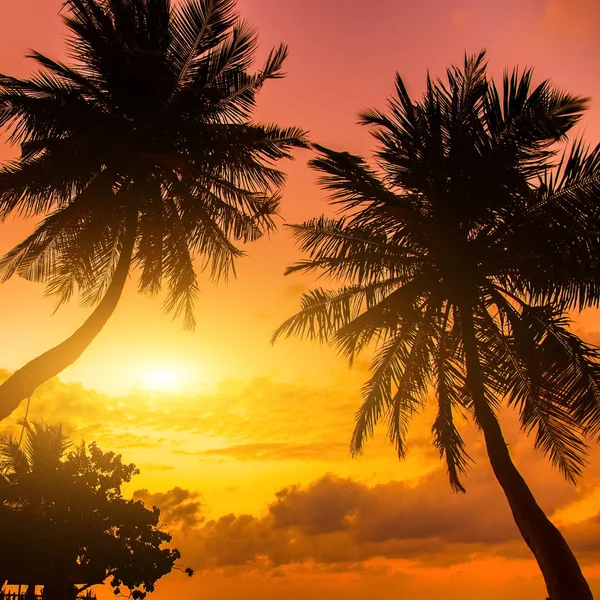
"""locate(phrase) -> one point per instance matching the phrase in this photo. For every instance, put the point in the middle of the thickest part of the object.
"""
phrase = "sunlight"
(168, 372)
(163, 378)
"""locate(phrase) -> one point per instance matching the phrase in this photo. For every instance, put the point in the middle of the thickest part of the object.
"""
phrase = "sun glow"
(168, 372)
(163, 378)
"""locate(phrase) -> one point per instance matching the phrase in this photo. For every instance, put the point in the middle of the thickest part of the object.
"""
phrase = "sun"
(165, 373)
(162, 378)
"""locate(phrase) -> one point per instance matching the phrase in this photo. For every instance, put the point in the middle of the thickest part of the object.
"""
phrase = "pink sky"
(224, 437)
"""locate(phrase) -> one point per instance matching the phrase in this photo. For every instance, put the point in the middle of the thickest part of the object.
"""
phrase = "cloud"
(179, 508)
(394, 511)
(156, 467)
(585, 535)
(244, 412)
(334, 520)
(328, 505)
(339, 520)
(338, 524)
(278, 451)
(259, 421)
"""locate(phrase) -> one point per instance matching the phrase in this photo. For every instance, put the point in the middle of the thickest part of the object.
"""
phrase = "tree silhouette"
(459, 258)
(65, 524)
(139, 154)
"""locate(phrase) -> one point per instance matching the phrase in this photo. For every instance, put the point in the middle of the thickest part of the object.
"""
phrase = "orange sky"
(249, 421)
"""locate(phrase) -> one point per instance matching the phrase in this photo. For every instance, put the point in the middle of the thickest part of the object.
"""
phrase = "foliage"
(145, 136)
(468, 214)
(66, 522)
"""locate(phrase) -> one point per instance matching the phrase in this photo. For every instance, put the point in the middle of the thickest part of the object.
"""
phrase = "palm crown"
(142, 148)
(468, 215)
(141, 153)
(41, 450)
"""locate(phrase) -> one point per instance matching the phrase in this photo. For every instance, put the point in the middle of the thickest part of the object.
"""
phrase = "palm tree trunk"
(562, 574)
(22, 383)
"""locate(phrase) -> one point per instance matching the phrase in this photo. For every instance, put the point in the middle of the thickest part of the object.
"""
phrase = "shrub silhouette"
(65, 524)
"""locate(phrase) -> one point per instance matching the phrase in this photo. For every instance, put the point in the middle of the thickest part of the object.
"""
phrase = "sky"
(243, 444)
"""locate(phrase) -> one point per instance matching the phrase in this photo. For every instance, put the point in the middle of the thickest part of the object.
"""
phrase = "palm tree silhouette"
(140, 154)
(459, 261)
(40, 451)
(29, 463)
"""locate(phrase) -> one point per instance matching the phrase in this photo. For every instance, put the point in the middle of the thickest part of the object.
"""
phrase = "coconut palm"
(459, 255)
(24, 465)
(41, 450)
(138, 154)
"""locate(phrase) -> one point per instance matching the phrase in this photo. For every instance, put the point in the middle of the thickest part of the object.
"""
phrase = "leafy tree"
(66, 523)
(138, 154)
(459, 257)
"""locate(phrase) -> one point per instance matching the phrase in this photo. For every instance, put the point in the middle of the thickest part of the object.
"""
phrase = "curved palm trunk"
(22, 383)
(562, 574)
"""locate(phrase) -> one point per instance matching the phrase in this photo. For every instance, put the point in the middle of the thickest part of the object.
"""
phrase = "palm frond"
(44, 445)
(323, 312)
(402, 363)
(446, 437)
(196, 27)
(351, 183)
(12, 458)
(179, 269)
(352, 252)
(540, 378)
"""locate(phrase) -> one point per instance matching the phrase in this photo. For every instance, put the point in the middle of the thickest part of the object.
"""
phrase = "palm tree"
(40, 451)
(139, 154)
(27, 465)
(458, 259)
